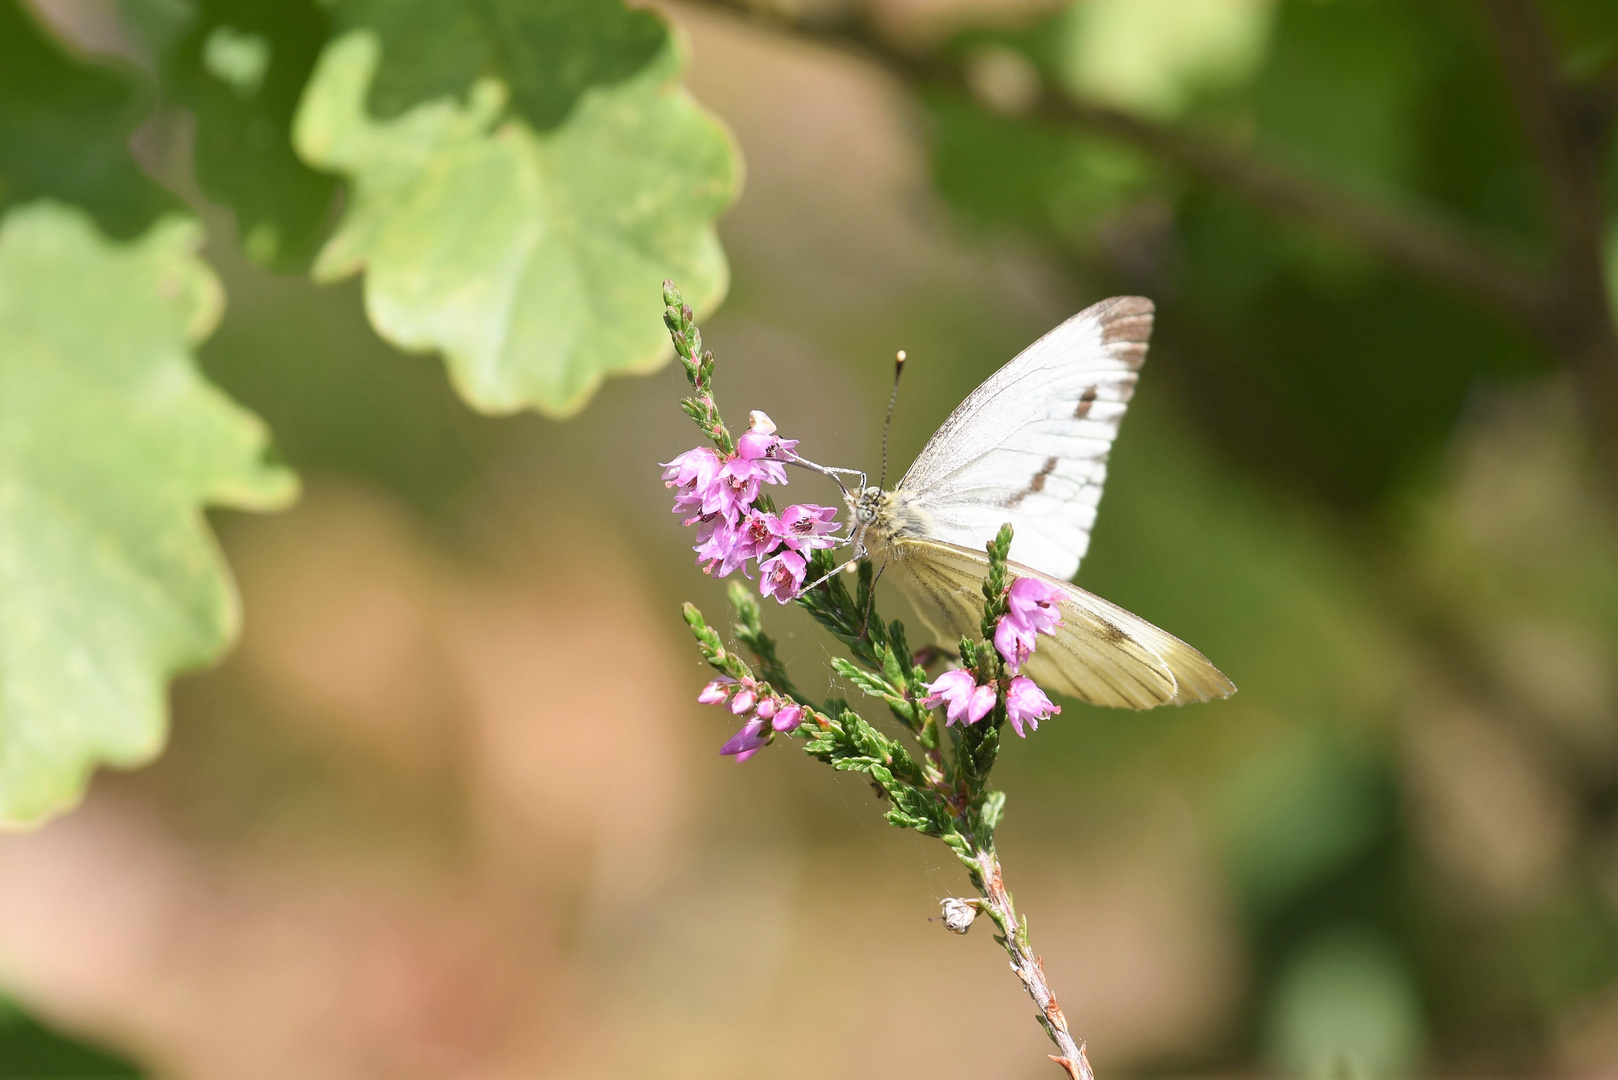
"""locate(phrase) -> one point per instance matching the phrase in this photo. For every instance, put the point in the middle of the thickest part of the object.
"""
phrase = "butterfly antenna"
(893, 399)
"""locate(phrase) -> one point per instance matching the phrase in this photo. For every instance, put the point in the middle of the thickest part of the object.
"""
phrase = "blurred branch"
(1417, 243)
(1566, 310)
(1569, 128)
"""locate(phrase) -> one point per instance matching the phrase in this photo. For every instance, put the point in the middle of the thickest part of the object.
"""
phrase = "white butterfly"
(1030, 447)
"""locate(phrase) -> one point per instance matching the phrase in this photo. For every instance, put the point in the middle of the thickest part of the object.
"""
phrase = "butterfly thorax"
(881, 517)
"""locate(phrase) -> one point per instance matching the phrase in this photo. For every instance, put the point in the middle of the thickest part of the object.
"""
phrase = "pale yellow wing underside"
(1101, 654)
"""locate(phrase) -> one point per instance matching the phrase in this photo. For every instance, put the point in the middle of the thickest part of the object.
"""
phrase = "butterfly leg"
(828, 575)
(831, 471)
(870, 601)
(856, 536)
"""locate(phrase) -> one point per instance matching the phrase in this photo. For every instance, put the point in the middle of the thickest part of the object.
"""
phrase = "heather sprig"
(698, 364)
(933, 769)
(719, 487)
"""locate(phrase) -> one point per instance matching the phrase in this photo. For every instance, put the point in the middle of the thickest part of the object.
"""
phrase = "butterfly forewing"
(1101, 654)
(1030, 445)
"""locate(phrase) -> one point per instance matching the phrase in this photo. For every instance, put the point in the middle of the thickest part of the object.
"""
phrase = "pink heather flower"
(758, 534)
(760, 441)
(716, 692)
(717, 493)
(962, 695)
(718, 541)
(782, 576)
(715, 537)
(1027, 704)
(707, 525)
(766, 708)
(724, 546)
(689, 501)
(734, 491)
(803, 527)
(744, 699)
(758, 450)
(748, 741)
(694, 467)
(1014, 642)
(1034, 604)
(692, 474)
(1031, 609)
(787, 717)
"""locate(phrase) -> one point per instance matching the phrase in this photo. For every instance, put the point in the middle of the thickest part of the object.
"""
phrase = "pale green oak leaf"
(533, 261)
(111, 443)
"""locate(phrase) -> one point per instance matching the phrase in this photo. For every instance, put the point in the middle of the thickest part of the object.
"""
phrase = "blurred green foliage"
(1160, 57)
(31, 1051)
(1394, 100)
(110, 582)
(522, 242)
(523, 256)
(239, 68)
(65, 128)
(547, 55)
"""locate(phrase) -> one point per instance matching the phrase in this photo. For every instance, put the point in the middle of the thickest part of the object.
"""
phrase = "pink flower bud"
(746, 742)
(788, 718)
(716, 692)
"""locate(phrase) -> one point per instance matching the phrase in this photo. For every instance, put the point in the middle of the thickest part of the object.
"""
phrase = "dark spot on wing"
(1083, 408)
(1037, 483)
(1114, 633)
(1126, 325)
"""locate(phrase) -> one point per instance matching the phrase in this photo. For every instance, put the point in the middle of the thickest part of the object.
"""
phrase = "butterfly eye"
(865, 515)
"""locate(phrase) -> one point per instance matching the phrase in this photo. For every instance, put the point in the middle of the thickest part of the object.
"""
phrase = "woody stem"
(1029, 968)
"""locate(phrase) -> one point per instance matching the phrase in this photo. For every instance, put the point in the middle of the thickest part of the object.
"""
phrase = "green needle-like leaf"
(533, 261)
(111, 443)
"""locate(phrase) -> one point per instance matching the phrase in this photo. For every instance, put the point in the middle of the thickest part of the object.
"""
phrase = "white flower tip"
(758, 420)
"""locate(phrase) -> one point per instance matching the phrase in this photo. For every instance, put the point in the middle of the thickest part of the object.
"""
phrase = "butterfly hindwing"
(1101, 654)
(1030, 445)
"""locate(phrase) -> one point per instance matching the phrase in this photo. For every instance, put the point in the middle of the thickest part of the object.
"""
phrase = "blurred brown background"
(408, 830)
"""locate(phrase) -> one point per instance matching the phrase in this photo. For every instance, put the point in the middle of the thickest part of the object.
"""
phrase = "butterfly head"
(866, 506)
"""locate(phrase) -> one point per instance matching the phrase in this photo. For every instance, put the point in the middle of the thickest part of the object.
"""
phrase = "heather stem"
(1029, 968)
